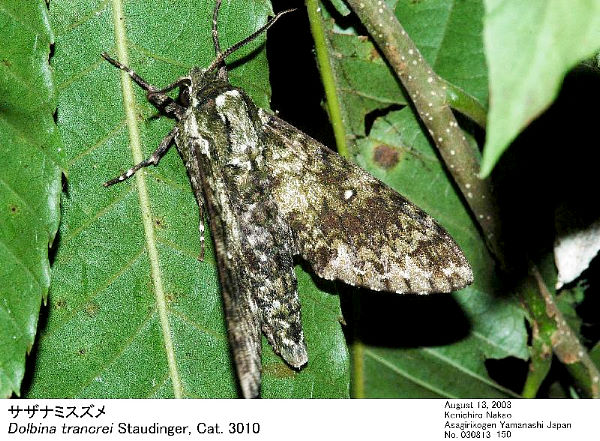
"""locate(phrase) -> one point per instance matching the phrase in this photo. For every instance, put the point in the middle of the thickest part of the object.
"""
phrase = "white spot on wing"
(220, 100)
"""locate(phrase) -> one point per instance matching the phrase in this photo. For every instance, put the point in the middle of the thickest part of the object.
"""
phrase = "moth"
(271, 193)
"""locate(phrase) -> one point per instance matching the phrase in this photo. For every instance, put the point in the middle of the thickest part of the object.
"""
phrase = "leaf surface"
(133, 312)
(29, 181)
(530, 46)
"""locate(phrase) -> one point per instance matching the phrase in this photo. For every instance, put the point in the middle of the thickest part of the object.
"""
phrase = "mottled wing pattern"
(350, 226)
(254, 245)
(240, 307)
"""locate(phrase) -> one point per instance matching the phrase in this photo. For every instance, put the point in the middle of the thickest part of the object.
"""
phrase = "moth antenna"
(215, 35)
(221, 56)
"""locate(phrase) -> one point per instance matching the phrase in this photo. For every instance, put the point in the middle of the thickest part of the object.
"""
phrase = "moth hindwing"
(271, 192)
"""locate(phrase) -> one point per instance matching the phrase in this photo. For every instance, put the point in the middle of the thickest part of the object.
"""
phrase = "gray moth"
(271, 192)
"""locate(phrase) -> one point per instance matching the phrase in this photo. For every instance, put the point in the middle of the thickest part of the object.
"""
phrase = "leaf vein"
(93, 294)
(21, 263)
(405, 374)
(145, 208)
(73, 234)
(85, 18)
(120, 352)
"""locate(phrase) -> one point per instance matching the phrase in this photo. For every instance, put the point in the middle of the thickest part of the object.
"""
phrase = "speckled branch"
(428, 93)
(565, 344)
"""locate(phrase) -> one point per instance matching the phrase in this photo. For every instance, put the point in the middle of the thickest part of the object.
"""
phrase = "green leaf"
(29, 180)
(453, 47)
(364, 82)
(430, 346)
(127, 250)
(530, 46)
(449, 35)
(457, 334)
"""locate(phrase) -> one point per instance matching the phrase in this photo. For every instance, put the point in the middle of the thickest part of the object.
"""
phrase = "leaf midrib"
(149, 234)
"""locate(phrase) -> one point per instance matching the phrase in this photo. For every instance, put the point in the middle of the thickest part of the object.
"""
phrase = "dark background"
(552, 166)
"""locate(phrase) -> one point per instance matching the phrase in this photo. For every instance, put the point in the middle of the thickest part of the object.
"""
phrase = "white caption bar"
(91, 419)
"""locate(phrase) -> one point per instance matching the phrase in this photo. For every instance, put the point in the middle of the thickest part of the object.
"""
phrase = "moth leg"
(163, 147)
(196, 181)
(164, 103)
(201, 232)
(158, 97)
(134, 76)
(183, 81)
(200, 201)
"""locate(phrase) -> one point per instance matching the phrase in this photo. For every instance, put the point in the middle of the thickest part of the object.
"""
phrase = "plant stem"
(466, 104)
(429, 97)
(566, 345)
(323, 52)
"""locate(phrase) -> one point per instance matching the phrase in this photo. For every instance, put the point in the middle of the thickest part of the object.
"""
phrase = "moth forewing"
(272, 192)
(352, 227)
